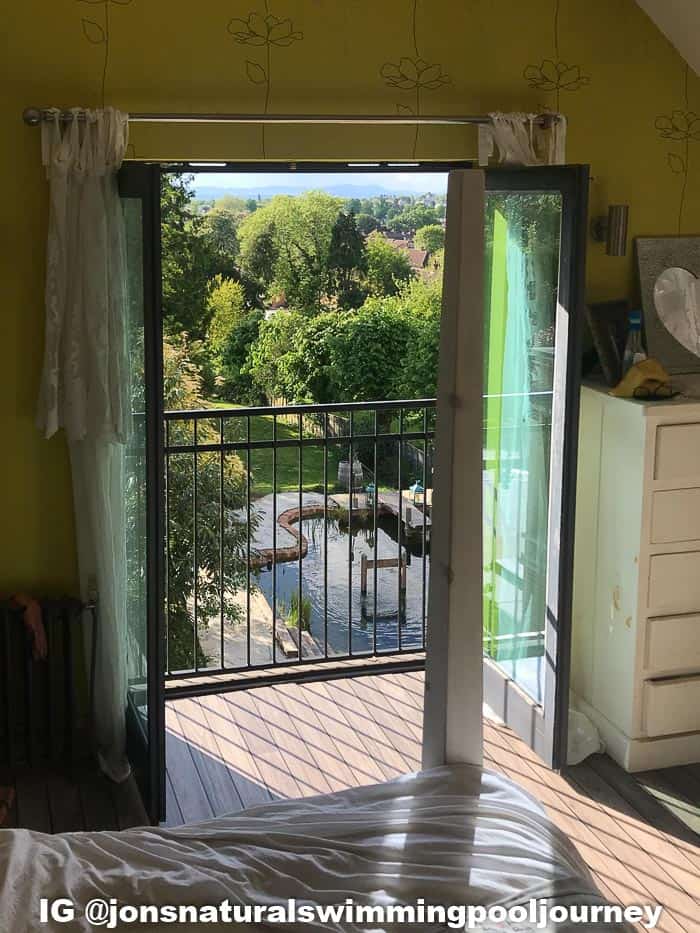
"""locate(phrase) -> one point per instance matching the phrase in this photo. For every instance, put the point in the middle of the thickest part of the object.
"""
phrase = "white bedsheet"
(452, 835)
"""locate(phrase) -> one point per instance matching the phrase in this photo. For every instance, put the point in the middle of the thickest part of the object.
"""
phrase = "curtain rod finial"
(32, 116)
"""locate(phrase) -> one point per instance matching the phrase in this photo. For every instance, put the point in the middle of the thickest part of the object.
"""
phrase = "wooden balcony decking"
(229, 751)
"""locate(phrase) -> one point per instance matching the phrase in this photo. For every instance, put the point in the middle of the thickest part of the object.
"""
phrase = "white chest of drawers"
(636, 620)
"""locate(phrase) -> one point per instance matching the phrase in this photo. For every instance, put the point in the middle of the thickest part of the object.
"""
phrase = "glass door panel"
(534, 247)
(138, 185)
(522, 237)
(136, 472)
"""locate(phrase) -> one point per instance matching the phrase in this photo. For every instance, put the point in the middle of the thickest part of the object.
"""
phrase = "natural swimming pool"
(330, 580)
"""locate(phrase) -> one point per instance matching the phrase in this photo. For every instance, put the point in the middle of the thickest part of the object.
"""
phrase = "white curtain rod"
(34, 116)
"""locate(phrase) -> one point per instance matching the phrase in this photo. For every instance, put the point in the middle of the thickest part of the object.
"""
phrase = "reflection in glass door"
(143, 489)
(135, 502)
(522, 249)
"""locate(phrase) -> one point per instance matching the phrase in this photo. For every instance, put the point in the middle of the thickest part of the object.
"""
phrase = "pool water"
(399, 620)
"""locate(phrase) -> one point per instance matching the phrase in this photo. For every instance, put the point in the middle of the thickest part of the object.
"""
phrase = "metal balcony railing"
(296, 534)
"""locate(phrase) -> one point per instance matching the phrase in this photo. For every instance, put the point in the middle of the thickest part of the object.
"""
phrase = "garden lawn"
(261, 427)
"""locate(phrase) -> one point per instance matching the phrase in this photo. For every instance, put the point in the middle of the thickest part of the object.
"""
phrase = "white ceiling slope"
(679, 21)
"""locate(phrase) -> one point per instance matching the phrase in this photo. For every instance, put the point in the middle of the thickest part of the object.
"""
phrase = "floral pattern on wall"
(413, 74)
(97, 31)
(554, 75)
(680, 126)
(265, 31)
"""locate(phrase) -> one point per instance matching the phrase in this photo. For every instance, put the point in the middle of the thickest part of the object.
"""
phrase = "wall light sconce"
(612, 229)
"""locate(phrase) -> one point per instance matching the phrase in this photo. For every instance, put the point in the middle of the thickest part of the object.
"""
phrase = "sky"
(413, 182)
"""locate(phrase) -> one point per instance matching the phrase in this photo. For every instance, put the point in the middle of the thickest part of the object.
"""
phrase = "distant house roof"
(417, 257)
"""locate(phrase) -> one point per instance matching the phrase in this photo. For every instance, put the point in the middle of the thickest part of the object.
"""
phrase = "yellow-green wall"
(623, 81)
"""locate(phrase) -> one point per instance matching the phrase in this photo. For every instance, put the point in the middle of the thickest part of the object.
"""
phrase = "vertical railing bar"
(351, 484)
(375, 479)
(398, 534)
(300, 529)
(325, 534)
(221, 537)
(425, 519)
(168, 605)
(518, 552)
(195, 531)
(274, 540)
(247, 597)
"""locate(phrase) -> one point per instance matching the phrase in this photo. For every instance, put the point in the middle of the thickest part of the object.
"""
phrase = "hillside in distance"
(340, 190)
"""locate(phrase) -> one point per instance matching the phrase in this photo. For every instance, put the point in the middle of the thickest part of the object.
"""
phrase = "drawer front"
(674, 583)
(677, 452)
(675, 516)
(671, 706)
(672, 646)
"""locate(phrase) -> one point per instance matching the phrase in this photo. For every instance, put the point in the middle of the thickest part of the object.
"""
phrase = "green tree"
(380, 208)
(238, 385)
(226, 306)
(387, 267)
(196, 248)
(231, 203)
(347, 261)
(296, 232)
(414, 217)
(430, 238)
(259, 250)
(274, 363)
(219, 226)
(251, 205)
(366, 223)
(188, 260)
(420, 303)
(365, 350)
(183, 391)
(386, 349)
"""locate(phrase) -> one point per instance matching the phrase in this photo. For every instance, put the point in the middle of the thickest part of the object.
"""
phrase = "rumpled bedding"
(451, 835)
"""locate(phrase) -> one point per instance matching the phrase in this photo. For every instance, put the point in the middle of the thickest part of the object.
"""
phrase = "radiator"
(44, 715)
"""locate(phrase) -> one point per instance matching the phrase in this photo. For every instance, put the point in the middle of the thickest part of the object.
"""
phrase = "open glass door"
(507, 424)
(139, 189)
(534, 244)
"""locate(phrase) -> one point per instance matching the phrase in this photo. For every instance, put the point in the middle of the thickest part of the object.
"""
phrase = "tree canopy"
(188, 260)
(183, 390)
(430, 238)
(350, 301)
(387, 267)
(287, 241)
(347, 262)
(385, 349)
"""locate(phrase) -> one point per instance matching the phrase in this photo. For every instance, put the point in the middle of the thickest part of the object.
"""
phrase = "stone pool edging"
(290, 521)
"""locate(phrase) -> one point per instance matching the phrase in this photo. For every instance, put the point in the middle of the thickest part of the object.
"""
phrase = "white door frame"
(452, 721)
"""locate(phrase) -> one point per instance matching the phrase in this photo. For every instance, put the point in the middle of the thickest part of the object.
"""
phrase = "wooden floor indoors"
(70, 800)
(239, 749)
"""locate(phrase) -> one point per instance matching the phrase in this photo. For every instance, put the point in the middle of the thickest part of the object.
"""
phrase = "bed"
(450, 835)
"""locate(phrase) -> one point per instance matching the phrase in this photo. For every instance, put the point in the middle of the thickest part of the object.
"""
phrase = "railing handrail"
(190, 414)
(195, 414)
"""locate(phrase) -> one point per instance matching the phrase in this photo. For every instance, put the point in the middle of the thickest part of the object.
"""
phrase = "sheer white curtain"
(85, 381)
(523, 139)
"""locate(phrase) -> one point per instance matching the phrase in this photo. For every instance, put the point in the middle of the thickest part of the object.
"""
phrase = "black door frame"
(545, 727)
(142, 180)
(146, 744)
